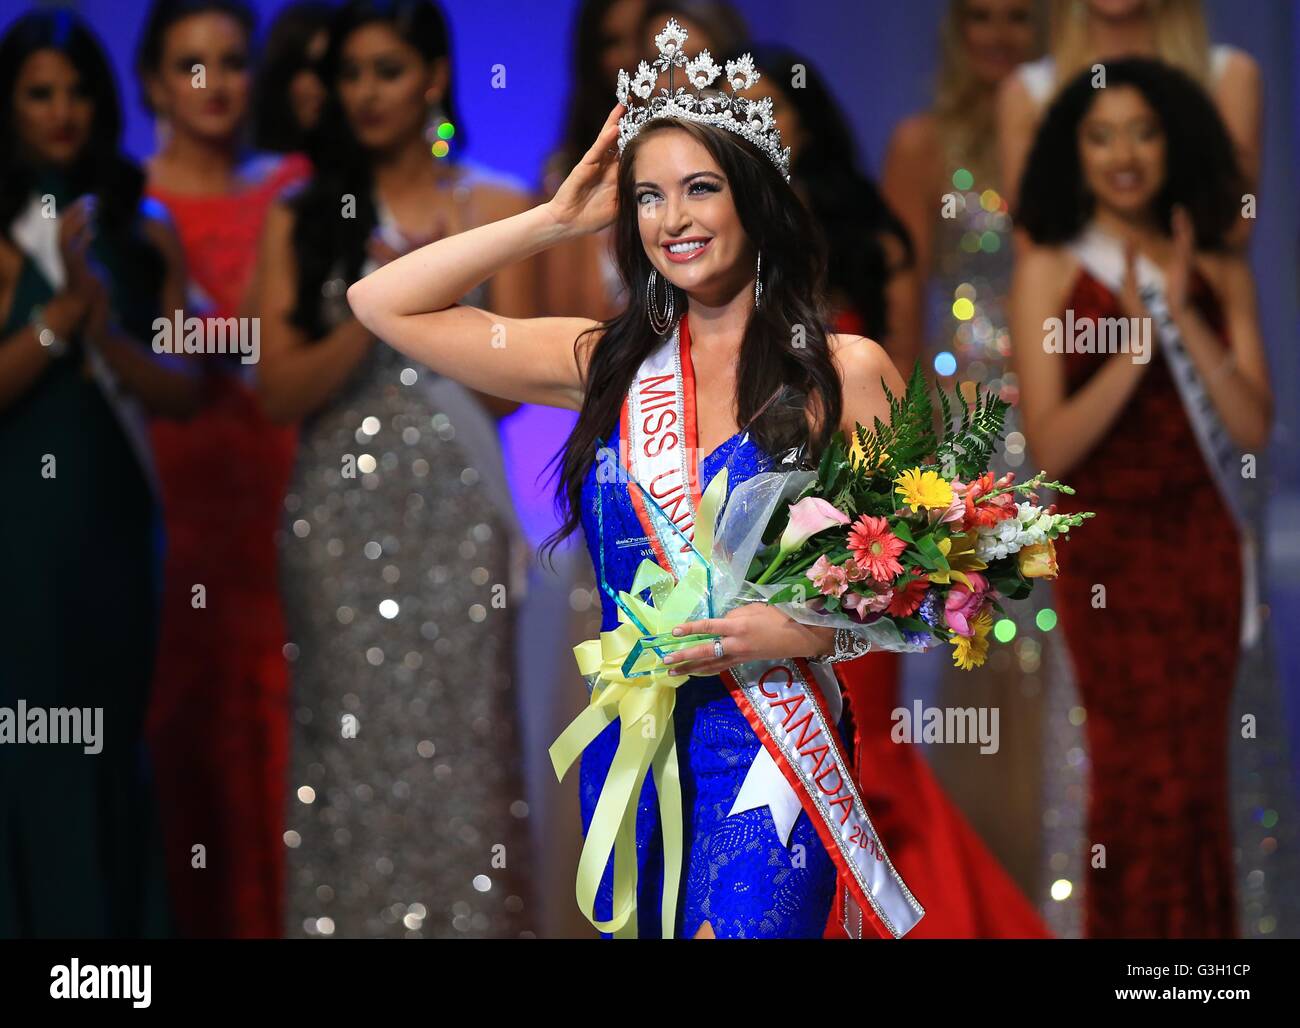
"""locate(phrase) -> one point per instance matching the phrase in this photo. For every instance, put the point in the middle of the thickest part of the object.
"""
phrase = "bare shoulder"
(1239, 71)
(1014, 97)
(500, 195)
(863, 363)
(915, 137)
(1045, 270)
(865, 370)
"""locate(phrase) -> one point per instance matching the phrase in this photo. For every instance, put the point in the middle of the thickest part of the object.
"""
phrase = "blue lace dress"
(739, 876)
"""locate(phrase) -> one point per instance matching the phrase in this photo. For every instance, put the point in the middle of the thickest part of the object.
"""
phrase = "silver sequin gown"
(970, 342)
(405, 811)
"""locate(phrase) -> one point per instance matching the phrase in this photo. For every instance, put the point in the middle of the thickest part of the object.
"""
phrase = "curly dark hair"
(1201, 169)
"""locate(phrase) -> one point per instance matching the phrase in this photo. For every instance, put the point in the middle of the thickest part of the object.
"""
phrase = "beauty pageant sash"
(1103, 257)
(791, 705)
(38, 237)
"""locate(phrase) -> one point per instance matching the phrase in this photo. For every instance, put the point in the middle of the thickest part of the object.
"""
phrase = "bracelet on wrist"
(51, 342)
(848, 646)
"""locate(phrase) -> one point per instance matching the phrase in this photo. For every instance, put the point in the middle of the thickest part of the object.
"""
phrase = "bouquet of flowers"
(904, 534)
(900, 534)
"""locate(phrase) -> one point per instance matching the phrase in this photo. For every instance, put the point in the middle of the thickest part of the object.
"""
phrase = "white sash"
(1102, 255)
(792, 705)
(38, 237)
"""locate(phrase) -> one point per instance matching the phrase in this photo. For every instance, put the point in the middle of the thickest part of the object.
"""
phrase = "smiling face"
(1122, 151)
(214, 106)
(386, 86)
(687, 218)
(52, 112)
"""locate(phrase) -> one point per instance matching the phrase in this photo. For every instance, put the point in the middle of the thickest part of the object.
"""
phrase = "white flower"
(670, 40)
(702, 71)
(741, 74)
(645, 80)
(1030, 526)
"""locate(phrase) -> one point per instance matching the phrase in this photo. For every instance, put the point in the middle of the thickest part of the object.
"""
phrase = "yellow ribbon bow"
(642, 697)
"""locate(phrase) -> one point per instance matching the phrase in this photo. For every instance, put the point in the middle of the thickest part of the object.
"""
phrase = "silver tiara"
(751, 119)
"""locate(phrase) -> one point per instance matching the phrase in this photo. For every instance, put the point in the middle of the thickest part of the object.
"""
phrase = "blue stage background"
(879, 57)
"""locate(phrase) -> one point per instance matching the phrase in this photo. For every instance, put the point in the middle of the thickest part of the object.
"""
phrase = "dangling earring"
(758, 283)
(438, 130)
(661, 323)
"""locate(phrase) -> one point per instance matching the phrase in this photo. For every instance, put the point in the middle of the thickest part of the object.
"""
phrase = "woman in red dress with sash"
(219, 720)
(1150, 596)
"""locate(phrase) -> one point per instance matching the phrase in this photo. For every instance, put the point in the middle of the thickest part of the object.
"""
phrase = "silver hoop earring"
(758, 283)
(660, 322)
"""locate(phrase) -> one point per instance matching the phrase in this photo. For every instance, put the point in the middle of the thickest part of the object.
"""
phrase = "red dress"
(1156, 663)
(219, 717)
(965, 891)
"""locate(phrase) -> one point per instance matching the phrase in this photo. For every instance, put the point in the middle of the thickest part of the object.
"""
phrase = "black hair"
(774, 358)
(844, 200)
(163, 14)
(1201, 169)
(284, 55)
(99, 168)
(322, 239)
(590, 96)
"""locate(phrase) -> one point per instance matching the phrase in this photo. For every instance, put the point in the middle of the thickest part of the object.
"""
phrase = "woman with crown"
(724, 272)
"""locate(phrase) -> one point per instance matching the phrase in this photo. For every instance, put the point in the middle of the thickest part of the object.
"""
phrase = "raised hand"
(588, 199)
(1130, 300)
(76, 230)
(1178, 274)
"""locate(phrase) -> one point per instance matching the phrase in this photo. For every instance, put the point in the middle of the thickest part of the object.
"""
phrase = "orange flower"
(876, 548)
(908, 594)
(993, 510)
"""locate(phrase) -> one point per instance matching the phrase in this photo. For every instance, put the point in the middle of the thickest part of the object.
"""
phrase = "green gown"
(80, 850)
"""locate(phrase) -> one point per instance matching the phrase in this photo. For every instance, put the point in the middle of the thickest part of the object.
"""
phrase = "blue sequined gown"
(738, 875)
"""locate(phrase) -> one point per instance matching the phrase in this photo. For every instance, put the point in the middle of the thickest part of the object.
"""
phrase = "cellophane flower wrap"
(901, 533)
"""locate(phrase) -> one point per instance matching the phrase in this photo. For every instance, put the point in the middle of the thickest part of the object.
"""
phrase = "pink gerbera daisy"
(876, 548)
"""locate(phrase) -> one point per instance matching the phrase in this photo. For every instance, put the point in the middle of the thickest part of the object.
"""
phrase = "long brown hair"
(785, 342)
(1177, 27)
(964, 107)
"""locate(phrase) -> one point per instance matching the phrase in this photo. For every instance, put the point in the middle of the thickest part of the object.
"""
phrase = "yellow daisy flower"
(924, 489)
(972, 650)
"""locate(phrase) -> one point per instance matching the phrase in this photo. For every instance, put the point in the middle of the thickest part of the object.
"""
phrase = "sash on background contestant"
(1102, 255)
